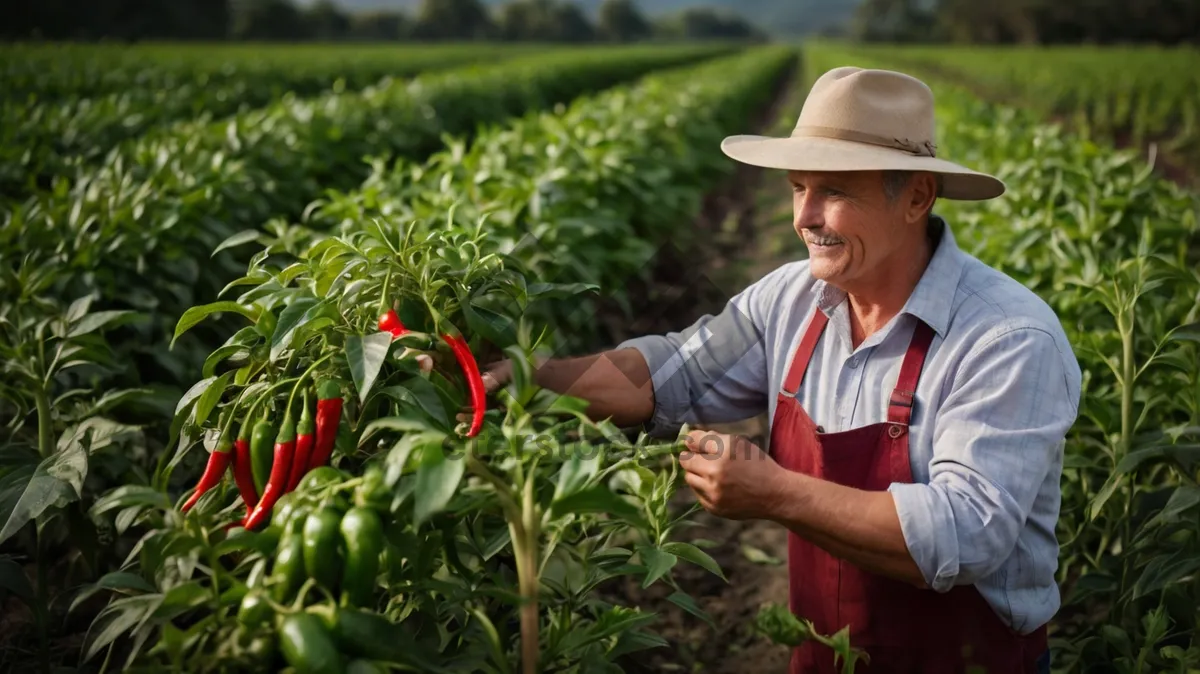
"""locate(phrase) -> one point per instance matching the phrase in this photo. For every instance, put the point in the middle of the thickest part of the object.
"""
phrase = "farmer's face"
(852, 230)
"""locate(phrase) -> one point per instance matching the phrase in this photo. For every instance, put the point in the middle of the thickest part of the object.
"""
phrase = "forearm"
(616, 384)
(861, 527)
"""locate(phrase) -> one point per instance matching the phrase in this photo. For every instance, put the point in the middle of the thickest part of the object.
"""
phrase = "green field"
(198, 242)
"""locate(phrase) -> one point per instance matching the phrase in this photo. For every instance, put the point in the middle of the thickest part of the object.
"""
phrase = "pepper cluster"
(269, 463)
(327, 545)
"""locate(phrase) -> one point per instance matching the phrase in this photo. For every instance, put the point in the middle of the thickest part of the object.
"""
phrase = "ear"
(923, 191)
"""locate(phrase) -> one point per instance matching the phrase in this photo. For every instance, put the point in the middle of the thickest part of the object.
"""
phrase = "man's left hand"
(731, 476)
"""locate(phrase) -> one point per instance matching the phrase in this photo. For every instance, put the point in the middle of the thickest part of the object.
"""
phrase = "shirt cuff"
(929, 533)
(670, 386)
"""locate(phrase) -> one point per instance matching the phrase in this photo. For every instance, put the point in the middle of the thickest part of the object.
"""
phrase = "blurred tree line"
(269, 20)
(1028, 21)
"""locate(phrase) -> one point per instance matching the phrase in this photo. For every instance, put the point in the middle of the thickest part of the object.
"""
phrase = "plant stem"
(527, 574)
(45, 423)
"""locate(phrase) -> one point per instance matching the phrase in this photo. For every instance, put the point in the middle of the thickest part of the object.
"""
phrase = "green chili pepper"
(322, 546)
(254, 610)
(287, 575)
(364, 634)
(319, 477)
(362, 535)
(307, 645)
(262, 453)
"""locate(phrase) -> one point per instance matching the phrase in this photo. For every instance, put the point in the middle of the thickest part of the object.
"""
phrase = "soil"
(747, 231)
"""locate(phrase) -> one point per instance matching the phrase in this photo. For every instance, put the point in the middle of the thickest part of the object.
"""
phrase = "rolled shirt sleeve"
(997, 439)
(715, 370)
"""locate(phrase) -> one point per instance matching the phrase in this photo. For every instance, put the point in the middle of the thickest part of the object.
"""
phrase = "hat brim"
(829, 154)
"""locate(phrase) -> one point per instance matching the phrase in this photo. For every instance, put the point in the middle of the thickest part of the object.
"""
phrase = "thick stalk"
(1127, 375)
(45, 423)
(527, 574)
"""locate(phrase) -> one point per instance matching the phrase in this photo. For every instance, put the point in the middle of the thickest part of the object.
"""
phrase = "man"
(919, 399)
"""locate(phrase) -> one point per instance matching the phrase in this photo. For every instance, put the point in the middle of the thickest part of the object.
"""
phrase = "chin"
(823, 270)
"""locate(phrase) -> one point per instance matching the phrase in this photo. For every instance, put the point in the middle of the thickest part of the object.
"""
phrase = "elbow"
(985, 550)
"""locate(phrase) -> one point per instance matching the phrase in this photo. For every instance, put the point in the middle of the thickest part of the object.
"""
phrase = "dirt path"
(750, 222)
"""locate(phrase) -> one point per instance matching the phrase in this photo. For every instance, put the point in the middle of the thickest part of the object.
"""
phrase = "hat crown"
(882, 107)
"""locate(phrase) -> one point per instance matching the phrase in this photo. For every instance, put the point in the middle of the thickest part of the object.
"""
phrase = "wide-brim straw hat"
(857, 119)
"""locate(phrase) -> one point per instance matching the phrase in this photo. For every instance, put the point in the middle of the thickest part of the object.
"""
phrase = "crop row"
(44, 138)
(1128, 94)
(155, 208)
(61, 71)
(490, 549)
(1110, 246)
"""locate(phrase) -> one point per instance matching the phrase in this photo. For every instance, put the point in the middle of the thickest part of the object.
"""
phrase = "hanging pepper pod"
(304, 444)
(261, 451)
(329, 416)
(389, 321)
(475, 388)
(243, 471)
(281, 466)
(218, 463)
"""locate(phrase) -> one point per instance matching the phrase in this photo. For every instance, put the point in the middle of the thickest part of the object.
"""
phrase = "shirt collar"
(933, 296)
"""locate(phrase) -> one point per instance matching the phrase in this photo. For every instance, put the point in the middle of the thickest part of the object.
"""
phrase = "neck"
(875, 300)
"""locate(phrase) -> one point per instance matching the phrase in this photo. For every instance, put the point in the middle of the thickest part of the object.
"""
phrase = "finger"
(425, 363)
(491, 382)
(698, 483)
(708, 442)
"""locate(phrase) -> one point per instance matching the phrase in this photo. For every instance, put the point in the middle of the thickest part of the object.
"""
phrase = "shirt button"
(853, 362)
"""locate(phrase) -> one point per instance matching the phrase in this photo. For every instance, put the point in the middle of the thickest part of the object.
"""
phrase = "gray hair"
(895, 181)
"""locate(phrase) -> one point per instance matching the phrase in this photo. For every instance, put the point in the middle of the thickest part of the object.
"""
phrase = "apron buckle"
(895, 430)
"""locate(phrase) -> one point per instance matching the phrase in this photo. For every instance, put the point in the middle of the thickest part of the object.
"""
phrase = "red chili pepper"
(304, 444)
(285, 447)
(466, 360)
(218, 463)
(389, 321)
(329, 415)
(243, 469)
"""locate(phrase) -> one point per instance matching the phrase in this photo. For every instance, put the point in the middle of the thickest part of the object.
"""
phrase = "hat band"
(919, 148)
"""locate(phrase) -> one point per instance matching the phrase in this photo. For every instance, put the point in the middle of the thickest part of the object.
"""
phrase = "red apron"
(902, 628)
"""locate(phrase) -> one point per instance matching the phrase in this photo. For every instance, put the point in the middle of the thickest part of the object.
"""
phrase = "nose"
(806, 212)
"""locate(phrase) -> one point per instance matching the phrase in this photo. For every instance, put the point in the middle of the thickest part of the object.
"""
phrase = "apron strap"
(901, 404)
(795, 375)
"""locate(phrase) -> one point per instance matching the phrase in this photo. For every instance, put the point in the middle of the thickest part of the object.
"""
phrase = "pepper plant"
(484, 550)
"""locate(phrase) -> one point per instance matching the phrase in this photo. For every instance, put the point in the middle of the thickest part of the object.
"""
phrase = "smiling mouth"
(824, 243)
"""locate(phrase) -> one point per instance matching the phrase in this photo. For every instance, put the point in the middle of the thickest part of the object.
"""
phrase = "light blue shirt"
(997, 395)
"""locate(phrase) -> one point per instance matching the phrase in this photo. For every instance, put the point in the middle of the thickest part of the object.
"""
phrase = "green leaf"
(575, 473)
(294, 317)
(195, 315)
(657, 563)
(208, 401)
(57, 481)
(366, 355)
(696, 556)
(438, 478)
(422, 393)
(130, 495)
(92, 322)
(687, 603)
(14, 581)
(1163, 571)
(242, 237)
(98, 431)
(223, 353)
(596, 499)
(117, 619)
(117, 581)
(559, 290)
